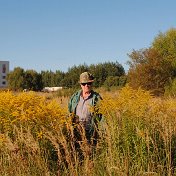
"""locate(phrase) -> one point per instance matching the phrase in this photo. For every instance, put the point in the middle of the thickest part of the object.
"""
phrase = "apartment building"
(4, 70)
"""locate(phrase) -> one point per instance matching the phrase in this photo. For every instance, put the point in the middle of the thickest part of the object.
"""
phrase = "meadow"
(137, 136)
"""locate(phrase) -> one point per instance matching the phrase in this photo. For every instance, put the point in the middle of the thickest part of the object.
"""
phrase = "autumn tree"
(148, 70)
(155, 67)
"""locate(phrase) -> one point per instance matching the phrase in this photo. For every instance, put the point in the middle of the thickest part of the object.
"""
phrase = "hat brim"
(86, 81)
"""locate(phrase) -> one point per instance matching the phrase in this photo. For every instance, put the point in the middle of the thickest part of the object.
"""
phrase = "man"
(83, 105)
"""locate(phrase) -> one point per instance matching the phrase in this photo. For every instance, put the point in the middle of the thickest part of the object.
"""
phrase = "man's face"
(86, 87)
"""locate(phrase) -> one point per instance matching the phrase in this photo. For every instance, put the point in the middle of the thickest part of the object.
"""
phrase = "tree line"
(152, 69)
(106, 74)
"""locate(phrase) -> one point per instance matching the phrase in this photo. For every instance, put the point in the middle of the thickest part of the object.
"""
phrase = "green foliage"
(72, 76)
(122, 80)
(104, 70)
(111, 81)
(16, 79)
(51, 79)
(47, 78)
(115, 81)
(165, 44)
(170, 89)
(59, 76)
(30, 79)
(99, 73)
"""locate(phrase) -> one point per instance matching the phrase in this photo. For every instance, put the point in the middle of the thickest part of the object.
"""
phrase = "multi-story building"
(4, 70)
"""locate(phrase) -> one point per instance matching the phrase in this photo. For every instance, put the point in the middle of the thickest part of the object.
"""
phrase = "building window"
(3, 77)
(3, 68)
(3, 82)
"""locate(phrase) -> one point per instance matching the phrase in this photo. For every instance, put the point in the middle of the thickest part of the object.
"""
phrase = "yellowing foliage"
(129, 101)
(138, 130)
(138, 103)
(29, 108)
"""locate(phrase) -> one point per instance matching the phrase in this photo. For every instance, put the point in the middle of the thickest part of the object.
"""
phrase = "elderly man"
(83, 104)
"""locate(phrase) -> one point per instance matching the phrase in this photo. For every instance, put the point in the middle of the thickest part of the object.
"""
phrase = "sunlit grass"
(137, 136)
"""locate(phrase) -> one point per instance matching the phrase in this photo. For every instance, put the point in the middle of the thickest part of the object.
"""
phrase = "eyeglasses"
(88, 83)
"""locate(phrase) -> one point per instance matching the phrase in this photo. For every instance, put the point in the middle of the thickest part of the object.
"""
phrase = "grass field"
(137, 136)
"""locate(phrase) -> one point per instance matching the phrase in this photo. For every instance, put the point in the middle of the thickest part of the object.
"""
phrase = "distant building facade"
(4, 70)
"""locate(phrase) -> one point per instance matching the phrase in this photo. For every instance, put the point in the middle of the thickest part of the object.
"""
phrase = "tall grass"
(137, 136)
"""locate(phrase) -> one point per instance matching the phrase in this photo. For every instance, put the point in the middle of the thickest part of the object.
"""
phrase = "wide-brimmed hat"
(86, 77)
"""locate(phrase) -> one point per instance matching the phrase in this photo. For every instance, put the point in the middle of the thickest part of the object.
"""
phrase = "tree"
(148, 70)
(99, 73)
(32, 80)
(72, 76)
(111, 81)
(154, 67)
(165, 44)
(103, 70)
(15, 79)
(48, 78)
(59, 76)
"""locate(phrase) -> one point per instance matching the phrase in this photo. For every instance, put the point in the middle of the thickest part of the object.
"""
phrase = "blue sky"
(58, 34)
